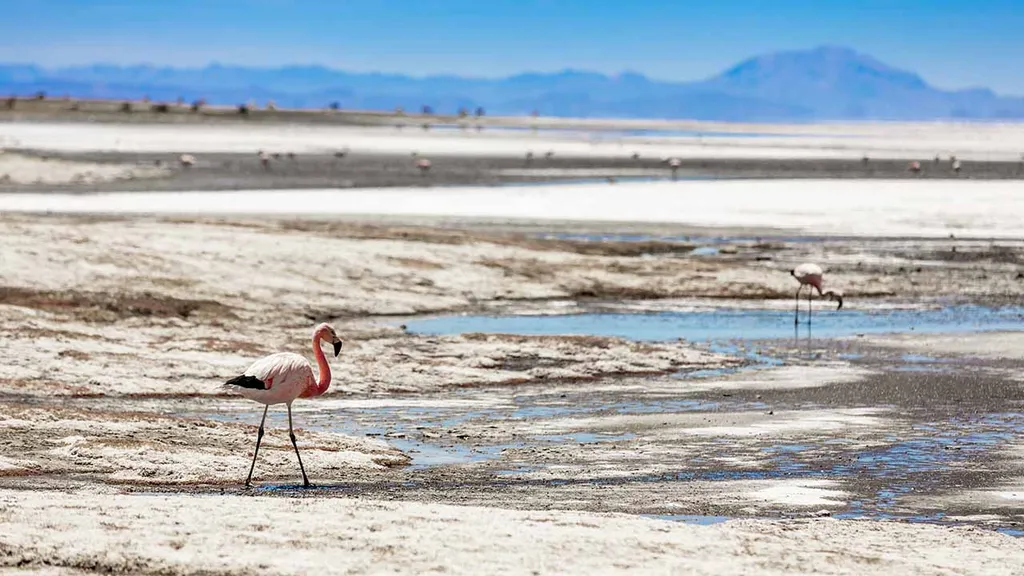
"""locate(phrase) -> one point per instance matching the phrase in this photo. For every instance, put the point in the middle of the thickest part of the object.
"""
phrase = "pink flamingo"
(283, 377)
(423, 165)
(812, 276)
(674, 164)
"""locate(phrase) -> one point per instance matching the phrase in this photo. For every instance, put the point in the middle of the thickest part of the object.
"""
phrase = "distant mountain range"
(826, 83)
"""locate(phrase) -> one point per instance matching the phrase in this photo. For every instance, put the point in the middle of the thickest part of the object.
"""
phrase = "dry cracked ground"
(474, 453)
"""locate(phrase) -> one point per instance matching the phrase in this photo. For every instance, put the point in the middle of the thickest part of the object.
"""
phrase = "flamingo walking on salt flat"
(811, 276)
(283, 377)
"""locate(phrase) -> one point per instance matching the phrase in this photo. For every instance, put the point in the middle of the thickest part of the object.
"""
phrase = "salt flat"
(938, 209)
(878, 140)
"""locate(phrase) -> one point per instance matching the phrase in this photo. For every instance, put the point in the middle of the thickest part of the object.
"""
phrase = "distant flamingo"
(812, 276)
(674, 164)
(283, 377)
(423, 165)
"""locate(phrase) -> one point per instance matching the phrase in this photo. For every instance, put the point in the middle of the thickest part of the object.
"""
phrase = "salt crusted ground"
(157, 534)
(21, 169)
(113, 327)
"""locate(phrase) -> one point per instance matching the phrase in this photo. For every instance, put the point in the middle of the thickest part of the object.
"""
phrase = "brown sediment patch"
(416, 263)
(577, 339)
(246, 347)
(993, 254)
(463, 236)
(531, 269)
(598, 247)
(40, 332)
(167, 282)
(97, 307)
(609, 291)
(74, 354)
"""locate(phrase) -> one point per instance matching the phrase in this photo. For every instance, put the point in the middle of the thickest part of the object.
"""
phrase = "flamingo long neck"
(325, 368)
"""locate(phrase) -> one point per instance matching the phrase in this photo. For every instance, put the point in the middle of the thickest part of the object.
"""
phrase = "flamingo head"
(326, 332)
(836, 296)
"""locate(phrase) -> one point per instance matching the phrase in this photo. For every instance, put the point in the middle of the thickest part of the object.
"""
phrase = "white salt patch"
(800, 492)
(791, 377)
(1014, 495)
(22, 169)
(1000, 345)
(798, 422)
(913, 208)
(177, 533)
(851, 141)
(9, 465)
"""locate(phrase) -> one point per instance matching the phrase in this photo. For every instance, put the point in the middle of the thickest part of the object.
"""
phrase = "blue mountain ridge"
(825, 83)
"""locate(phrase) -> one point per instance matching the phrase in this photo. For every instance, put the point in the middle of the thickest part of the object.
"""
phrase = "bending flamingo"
(811, 275)
(283, 377)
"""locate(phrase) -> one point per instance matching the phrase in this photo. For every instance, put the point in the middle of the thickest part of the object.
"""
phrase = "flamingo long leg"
(810, 293)
(259, 438)
(291, 434)
(796, 317)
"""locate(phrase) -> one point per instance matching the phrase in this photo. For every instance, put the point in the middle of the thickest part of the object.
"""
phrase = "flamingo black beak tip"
(840, 299)
(337, 348)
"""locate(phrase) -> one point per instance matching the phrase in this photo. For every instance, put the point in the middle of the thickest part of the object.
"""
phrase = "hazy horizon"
(952, 44)
(446, 74)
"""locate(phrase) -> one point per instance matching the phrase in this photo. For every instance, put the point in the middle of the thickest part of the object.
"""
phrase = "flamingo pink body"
(809, 275)
(812, 275)
(283, 377)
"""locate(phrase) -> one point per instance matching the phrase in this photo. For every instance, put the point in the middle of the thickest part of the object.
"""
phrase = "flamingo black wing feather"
(250, 382)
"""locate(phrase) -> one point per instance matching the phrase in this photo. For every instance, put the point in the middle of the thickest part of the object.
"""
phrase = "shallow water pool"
(733, 324)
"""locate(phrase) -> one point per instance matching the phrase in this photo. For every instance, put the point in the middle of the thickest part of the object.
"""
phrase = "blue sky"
(951, 43)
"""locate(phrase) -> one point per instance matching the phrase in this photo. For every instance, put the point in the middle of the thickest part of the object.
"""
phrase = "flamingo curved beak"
(337, 345)
(839, 298)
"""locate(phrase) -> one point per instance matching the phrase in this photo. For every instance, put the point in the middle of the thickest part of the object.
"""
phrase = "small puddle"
(585, 438)
(931, 447)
